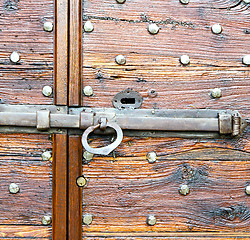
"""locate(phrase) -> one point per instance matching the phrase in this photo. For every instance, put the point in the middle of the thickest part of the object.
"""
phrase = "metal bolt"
(152, 93)
(153, 28)
(14, 188)
(15, 57)
(151, 220)
(120, 59)
(184, 189)
(151, 157)
(216, 93)
(184, 1)
(87, 219)
(88, 156)
(81, 181)
(47, 91)
(121, 1)
(216, 29)
(248, 190)
(46, 155)
(46, 220)
(48, 26)
(246, 1)
(184, 59)
(88, 91)
(88, 26)
(246, 60)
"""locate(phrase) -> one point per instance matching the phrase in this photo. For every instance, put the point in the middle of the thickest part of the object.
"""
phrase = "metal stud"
(184, 189)
(151, 220)
(88, 156)
(151, 157)
(216, 93)
(121, 1)
(248, 190)
(81, 181)
(88, 26)
(216, 29)
(88, 91)
(87, 219)
(153, 28)
(47, 91)
(46, 220)
(184, 59)
(184, 1)
(246, 60)
(152, 93)
(46, 155)
(48, 26)
(14, 188)
(120, 59)
(15, 57)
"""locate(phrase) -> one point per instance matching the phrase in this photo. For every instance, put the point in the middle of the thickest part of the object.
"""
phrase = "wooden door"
(125, 188)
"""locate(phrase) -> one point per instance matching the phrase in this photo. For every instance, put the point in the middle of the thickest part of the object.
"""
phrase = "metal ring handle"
(103, 150)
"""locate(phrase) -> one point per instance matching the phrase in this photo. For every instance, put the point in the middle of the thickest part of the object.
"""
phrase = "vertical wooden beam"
(75, 192)
(59, 196)
(75, 52)
(61, 52)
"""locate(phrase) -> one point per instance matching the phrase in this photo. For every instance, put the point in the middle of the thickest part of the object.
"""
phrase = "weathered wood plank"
(134, 189)
(25, 232)
(22, 31)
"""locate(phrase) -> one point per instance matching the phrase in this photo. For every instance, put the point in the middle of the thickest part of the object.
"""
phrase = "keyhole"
(128, 100)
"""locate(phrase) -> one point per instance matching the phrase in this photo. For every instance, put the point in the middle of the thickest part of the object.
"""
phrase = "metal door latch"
(52, 119)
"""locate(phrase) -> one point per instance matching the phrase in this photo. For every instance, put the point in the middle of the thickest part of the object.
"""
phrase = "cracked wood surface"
(22, 31)
(124, 188)
(21, 163)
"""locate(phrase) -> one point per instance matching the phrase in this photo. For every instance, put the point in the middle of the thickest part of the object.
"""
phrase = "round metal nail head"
(120, 59)
(15, 57)
(14, 188)
(248, 190)
(88, 26)
(88, 91)
(184, 189)
(246, 60)
(151, 220)
(46, 155)
(48, 26)
(153, 28)
(121, 1)
(216, 93)
(184, 1)
(184, 59)
(47, 91)
(88, 156)
(46, 220)
(87, 219)
(151, 157)
(81, 181)
(216, 28)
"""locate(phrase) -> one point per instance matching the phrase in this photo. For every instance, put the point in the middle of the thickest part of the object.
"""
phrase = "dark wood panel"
(60, 187)
(122, 192)
(75, 192)
(22, 30)
(25, 232)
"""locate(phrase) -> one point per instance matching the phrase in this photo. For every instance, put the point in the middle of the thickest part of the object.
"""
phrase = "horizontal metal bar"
(175, 120)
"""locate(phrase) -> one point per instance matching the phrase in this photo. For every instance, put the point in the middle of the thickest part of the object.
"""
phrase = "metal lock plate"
(127, 99)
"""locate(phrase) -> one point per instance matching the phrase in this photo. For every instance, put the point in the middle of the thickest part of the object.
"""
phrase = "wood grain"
(25, 232)
(22, 31)
(75, 52)
(61, 52)
(60, 188)
(74, 192)
(153, 60)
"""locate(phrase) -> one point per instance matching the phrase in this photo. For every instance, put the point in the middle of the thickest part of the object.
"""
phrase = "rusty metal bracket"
(56, 119)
